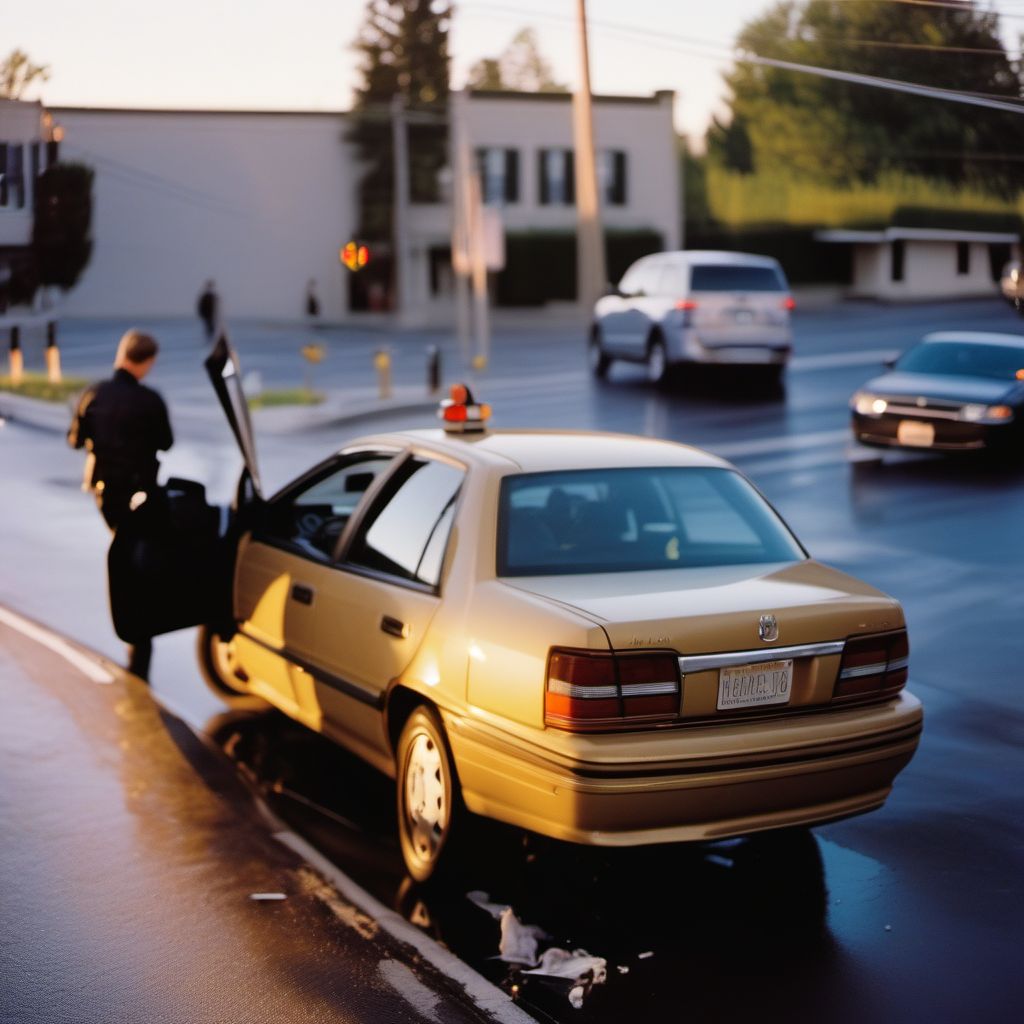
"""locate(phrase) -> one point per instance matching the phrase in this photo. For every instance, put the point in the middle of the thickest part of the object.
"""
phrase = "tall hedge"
(61, 239)
(540, 266)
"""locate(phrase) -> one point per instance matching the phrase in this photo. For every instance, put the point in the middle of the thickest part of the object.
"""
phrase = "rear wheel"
(598, 359)
(218, 663)
(657, 360)
(429, 803)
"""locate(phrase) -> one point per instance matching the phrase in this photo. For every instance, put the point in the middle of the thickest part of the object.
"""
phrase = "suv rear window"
(725, 278)
(624, 520)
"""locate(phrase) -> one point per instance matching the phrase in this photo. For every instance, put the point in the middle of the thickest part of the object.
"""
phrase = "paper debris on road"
(267, 897)
(519, 941)
(483, 901)
(645, 956)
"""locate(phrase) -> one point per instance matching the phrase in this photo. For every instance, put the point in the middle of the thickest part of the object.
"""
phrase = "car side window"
(405, 533)
(313, 516)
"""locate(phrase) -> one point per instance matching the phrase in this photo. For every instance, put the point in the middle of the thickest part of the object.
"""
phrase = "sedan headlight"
(869, 405)
(986, 413)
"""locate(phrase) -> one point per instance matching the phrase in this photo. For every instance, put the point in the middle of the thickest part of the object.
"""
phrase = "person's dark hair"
(138, 347)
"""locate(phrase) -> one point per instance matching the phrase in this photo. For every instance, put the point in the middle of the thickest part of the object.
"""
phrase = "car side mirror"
(890, 363)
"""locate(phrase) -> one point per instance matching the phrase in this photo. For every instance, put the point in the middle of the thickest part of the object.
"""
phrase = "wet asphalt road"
(912, 912)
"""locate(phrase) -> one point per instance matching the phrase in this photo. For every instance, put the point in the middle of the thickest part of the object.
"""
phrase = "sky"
(255, 54)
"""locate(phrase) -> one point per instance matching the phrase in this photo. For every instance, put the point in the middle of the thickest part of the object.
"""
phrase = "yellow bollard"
(52, 354)
(16, 359)
(382, 364)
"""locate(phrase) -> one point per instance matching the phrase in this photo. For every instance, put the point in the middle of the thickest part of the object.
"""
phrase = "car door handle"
(302, 593)
(393, 627)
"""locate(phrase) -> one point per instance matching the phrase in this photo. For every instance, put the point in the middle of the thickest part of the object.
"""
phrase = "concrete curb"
(55, 417)
(52, 416)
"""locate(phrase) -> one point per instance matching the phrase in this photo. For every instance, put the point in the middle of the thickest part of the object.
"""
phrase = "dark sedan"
(952, 392)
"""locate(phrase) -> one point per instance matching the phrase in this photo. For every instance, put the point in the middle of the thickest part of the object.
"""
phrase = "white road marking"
(830, 360)
(410, 988)
(86, 665)
(489, 998)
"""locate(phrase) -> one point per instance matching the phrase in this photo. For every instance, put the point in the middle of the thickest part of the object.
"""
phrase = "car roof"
(977, 338)
(535, 451)
(718, 258)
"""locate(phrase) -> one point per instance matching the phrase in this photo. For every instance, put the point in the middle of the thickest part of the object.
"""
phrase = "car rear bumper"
(771, 347)
(950, 435)
(794, 772)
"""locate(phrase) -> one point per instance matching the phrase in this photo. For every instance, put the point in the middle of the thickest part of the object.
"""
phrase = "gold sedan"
(606, 639)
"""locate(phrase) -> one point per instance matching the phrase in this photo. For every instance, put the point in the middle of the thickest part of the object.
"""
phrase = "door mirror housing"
(890, 363)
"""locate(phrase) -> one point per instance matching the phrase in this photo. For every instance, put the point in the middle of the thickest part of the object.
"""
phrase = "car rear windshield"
(964, 359)
(624, 520)
(726, 278)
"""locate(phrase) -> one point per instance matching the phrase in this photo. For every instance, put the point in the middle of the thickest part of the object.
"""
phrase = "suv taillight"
(873, 666)
(590, 691)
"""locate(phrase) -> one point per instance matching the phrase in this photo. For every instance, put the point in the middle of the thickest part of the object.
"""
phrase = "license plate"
(754, 686)
(743, 316)
(915, 434)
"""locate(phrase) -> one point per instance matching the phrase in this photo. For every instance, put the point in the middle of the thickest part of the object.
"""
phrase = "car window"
(405, 534)
(949, 358)
(624, 520)
(710, 277)
(313, 516)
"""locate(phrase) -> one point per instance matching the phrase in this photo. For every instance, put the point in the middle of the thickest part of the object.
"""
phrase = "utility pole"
(400, 214)
(591, 275)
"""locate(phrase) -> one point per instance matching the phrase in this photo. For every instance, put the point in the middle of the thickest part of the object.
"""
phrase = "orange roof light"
(461, 415)
(1019, 375)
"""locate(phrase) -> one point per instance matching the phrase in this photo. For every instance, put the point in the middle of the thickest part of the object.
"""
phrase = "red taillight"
(589, 691)
(873, 666)
(789, 303)
(686, 305)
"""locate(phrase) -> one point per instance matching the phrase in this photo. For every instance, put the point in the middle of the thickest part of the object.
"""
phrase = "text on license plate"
(919, 435)
(752, 686)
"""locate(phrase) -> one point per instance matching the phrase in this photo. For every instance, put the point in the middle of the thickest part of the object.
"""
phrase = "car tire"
(217, 664)
(657, 360)
(429, 801)
(598, 359)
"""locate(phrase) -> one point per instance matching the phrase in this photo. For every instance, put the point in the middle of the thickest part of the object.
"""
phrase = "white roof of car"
(535, 451)
(719, 258)
(977, 338)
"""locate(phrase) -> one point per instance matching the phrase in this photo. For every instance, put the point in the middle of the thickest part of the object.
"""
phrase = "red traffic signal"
(354, 255)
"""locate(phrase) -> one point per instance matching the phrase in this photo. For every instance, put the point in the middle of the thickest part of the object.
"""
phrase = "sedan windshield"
(964, 359)
(624, 520)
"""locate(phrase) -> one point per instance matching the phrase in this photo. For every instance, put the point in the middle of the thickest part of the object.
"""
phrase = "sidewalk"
(130, 858)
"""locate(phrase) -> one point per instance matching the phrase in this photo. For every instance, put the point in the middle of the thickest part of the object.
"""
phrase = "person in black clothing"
(122, 424)
(208, 308)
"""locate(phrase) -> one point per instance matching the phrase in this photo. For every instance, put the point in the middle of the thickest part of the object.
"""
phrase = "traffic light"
(354, 255)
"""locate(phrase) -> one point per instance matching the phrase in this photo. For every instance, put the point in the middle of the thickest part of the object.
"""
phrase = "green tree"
(17, 73)
(841, 132)
(404, 50)
(61, 239)
(521, 66)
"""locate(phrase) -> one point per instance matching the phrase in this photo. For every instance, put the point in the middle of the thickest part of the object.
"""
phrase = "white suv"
(695, 307)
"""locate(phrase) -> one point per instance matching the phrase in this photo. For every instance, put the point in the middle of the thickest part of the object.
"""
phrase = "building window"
(963, 258)
(556, 173)
(898, 254)
(611, 176)
(16, 175)
(499, 175)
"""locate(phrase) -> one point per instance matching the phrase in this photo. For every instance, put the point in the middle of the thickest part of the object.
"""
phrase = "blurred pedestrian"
(208, 308)
(122, 424)
(312, 302)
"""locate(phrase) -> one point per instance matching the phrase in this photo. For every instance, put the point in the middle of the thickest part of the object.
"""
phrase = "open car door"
(169, 566)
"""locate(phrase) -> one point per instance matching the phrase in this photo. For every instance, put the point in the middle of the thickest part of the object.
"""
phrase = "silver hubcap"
(426, 802)
(656, 363)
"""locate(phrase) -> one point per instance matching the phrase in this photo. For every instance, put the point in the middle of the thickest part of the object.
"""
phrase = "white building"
(923, 263)
(263, 201)
(22, 157)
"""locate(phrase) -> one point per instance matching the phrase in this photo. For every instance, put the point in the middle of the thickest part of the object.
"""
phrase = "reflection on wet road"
(910, 913)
